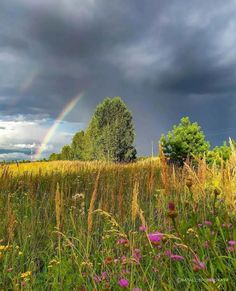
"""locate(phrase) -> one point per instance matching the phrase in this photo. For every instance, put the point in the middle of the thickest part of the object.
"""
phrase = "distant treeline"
(110, 137)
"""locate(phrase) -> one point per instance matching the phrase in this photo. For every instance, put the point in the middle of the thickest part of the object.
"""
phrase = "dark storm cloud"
(165, 58)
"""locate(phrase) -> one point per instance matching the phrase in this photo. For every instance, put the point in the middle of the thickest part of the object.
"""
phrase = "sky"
(166, 59)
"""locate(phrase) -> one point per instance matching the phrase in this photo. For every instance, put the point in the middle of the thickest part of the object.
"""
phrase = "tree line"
(110, 137)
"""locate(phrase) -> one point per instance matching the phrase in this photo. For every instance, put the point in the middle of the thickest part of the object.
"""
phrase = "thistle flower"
(155, 237)
(172, 212)
(123, 283)
(232, 242)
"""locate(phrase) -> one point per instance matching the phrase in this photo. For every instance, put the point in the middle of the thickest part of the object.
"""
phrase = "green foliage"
(54, 157)
(109, 137)
(77, 146)
(110, 134)
(185, 141)
(219, 153)
(66, 153)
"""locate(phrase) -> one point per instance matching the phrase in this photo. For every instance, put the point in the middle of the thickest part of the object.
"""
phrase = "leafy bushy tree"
(185, 141)
(110, 134)
(54, 157)
(219, 153)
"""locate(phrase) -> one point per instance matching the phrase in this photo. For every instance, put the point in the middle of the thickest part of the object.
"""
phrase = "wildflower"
(198, 265)
(171, 206)
(123, 283)
(176, 257)
(142, 228)
(97, 278)
(20, 253)
(173, 256)
(137, 255)
(172, 212)
(123, 260)
(232, 242)
(155, 237)
(137, 289)
(108, 260)
(26, 274)
(230, 248)
(4, 248)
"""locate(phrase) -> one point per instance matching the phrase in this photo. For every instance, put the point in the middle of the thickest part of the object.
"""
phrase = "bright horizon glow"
(67, 109)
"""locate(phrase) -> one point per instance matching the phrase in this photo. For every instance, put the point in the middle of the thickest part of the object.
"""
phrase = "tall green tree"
(110, 135)
(66, 153)
(185, 141)
(77, 146)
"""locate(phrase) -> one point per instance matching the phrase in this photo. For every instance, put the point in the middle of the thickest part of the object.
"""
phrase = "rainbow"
(67, 109)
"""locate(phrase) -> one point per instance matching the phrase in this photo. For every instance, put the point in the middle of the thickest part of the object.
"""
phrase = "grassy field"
(100, 226)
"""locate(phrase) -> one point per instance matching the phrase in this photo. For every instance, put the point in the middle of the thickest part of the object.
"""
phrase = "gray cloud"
(166, 59)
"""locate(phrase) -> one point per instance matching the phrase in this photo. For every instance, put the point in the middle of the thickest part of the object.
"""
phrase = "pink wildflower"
(142, 228)
(123, 283)
(137, 255)
(155, 237)
(198, 265)
(230, 248)
(176, 257)
(232, 242)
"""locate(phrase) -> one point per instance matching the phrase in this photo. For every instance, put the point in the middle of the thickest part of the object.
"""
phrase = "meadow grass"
(104, 226)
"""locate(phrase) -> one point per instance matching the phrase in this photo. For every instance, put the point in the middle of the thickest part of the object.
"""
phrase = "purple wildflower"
(232, 242)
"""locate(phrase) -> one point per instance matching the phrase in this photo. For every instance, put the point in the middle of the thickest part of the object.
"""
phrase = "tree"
(110, 134)
(219, 154)
(77, 146)
(185, 141)
(54, 157)
(66, 153)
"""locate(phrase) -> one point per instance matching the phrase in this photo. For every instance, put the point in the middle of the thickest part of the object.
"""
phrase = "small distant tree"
(66, 153)
(110, 135)
(54, 157)
(184, 142)
(77, 146)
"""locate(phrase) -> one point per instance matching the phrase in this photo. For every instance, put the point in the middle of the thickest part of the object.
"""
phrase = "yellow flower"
(26, 274)
(20, 253)
(4, 248)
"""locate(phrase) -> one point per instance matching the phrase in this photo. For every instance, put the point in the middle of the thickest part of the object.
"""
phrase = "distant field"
(99, 226)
